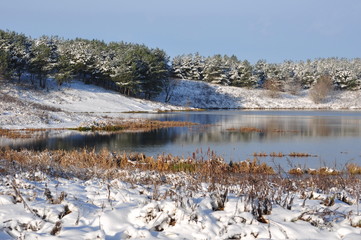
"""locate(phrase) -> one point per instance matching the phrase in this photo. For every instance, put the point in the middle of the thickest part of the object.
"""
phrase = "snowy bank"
(204, 95)
(67, 106)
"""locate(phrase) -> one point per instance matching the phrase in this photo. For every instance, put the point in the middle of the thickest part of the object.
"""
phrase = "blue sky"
(274, 30)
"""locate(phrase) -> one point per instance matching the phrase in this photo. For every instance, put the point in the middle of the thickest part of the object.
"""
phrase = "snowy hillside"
(67, 106)
(203, 95)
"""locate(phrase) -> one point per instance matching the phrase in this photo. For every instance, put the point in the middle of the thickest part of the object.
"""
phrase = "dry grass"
(19, 133)
(141, 125)
(252, 166)
(280, 154)
(297, 154)
(320, 171)
(251, 176)
(260, 154)
(88, 162)
(274, 154)
(245, 130)
(258, 130)
(353, 169)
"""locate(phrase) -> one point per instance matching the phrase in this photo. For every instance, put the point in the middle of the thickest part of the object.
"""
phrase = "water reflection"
(333, 136)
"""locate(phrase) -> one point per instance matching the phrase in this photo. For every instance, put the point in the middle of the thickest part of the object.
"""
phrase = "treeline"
(132, 69)
(225, 70)
(137, 70)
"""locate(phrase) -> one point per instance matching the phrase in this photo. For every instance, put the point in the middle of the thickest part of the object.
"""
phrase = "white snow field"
(36, 206)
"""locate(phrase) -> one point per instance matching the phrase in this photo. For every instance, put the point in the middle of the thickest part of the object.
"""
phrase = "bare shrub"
(168, 85)
(273, 86)
(294, 86)
(321, 90)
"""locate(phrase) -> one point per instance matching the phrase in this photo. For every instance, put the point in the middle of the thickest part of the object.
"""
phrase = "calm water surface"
(334, 136)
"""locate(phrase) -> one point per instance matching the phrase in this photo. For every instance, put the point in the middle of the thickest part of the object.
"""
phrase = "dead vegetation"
(141, 125)
(280, 154)
(20, 133)
(259, 130)
(321, 89)
(118, 126)
(245, 130)
(256, 187)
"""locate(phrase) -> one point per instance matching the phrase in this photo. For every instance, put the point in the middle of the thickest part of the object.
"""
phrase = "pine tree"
(40, 63)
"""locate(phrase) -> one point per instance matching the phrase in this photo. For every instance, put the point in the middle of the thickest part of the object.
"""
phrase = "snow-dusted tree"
(156, 65)
(65, 71)
(197, 67)
(176, 67)
(124, 73)
(140, 70)
(345, 79)
(243, 77)
(215, 70)
(4, 68)
(260, 71)
(40, 64)
(182, 66)
(307, 73)
(17, 47)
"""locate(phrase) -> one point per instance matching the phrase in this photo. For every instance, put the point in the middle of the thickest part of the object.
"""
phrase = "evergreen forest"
(137, 70)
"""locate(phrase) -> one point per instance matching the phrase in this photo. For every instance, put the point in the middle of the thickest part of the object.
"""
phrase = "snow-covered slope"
(204, 95)
(67, 106)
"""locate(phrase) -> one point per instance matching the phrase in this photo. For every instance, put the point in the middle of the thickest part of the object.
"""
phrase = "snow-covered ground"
(203, 95)
(67, 106)
(76, 103)
(32, 204)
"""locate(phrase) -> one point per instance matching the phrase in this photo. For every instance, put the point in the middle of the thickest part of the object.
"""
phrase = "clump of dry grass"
(274, 154)
(89, 163)
(245, 130)
(280, 154)
(296, 154)
(260, 154)
(252, 166)
(353, 169)
(258, 130)
(20, 133)
(296, 171)
(142, 125)
(325, 171)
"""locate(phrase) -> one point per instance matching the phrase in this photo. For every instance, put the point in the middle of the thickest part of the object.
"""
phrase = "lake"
(333, 137)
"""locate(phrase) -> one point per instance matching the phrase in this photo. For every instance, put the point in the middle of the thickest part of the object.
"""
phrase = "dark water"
(334, 136)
